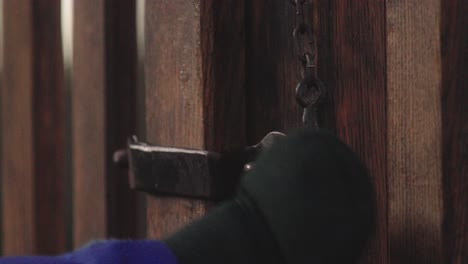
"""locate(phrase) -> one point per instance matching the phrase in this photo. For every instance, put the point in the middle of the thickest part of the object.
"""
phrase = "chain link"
(310, 91)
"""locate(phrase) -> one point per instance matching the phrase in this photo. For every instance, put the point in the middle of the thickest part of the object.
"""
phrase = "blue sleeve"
(107, 252)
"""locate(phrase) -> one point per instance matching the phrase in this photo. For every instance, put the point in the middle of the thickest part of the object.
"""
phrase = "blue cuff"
(107, 252)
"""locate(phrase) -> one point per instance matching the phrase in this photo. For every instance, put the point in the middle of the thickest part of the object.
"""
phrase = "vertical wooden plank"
(272, 68)
(222, 35)
(49, 124)
(194, 89)
(174, 98)
(140, 93)
(33, 135)
(455, 129)
(121, 79)
(67, 46)
(414, 131)
(140, 109)
(88, 122)
(103, 116)
(351, 62)
(17, 142)
(1, 122)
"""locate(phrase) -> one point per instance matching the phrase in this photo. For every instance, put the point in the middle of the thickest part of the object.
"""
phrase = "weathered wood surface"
(32, 129)
(103, 102)
(49, 128)
(88, 114)
(1, 120)
(216, 79)
(272, 69)
(351, 63)
(174, 98)
(454, 96)
(414, 132)
(123, 205)
(194, 89)
(17, 151)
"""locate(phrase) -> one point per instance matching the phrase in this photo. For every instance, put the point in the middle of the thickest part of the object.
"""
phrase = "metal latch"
(187, 172)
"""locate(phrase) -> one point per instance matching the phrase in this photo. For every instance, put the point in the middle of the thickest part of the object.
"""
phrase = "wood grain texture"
(222, 36)
(414, 132)
(18, 227)
(123, 205)
(194, 89)
(272, 69)
(1, 122)
(351, 62)
(89, 122)
(454, 98)
(174, 98)
(33, 129)
(49, 128)
(165, 215)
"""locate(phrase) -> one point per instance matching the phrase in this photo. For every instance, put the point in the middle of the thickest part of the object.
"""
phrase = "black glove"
(307, 200)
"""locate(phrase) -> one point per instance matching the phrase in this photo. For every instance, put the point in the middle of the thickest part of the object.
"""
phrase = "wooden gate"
(218, 75)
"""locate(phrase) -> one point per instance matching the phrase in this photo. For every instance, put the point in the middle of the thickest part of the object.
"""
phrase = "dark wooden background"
(219, 75)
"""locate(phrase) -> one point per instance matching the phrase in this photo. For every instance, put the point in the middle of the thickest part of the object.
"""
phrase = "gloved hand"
(307, 200)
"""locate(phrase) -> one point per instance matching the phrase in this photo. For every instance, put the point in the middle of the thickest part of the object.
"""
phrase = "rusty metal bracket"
(186, 172)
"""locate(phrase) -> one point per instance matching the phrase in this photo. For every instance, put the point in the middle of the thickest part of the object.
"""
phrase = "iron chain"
(310, 91)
